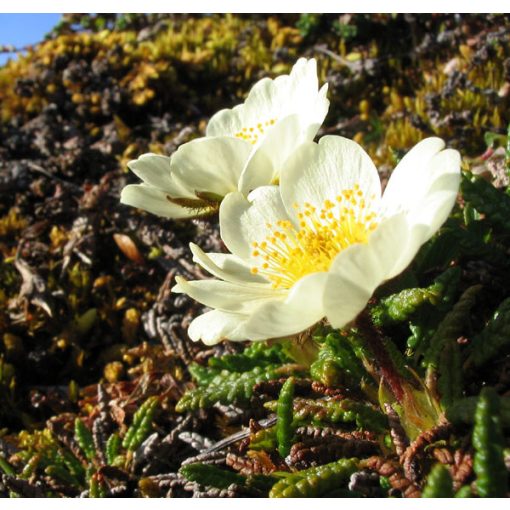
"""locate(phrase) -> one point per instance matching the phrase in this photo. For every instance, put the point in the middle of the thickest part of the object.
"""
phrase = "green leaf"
(439, 483)
(142, 424)
(112, 448)
(316, 481)
(464, 492)
(209, 475)
(492, 202)
(493, 340)
(229, 387)
(337, 362)
(6, 467)
(284, 415)
(489, 443)
(258, 354)
(462, 411)
(84, 438)
(491, 138)
(450, 373)
(327, 411)
(452, 326)
(399, 307)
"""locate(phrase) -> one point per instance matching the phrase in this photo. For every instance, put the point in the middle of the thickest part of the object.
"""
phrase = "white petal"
(312, 120)
(302, 96)
(215, 326)
(153, 200)
(321, 106)
(210, 164)
(154, 170)
(435, 207)
(265, 100)
(411, 177)
(317, 172)
(226, 122)
(275, 99)
(302, 308)
(302, 85)
(360, 269)
(418, 234)
(243, 220)
(446, 162)
(303, 78)
(258, 171)
(226, 296)
(268, 158)
(263, 104)
(225, 266)
(433, 203)
(433, 213)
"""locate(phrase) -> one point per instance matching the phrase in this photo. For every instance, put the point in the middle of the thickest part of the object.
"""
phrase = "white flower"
(244, 148)
(320, 244)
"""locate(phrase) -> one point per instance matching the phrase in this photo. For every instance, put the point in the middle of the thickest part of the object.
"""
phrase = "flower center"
(289, 253)
(251, 134)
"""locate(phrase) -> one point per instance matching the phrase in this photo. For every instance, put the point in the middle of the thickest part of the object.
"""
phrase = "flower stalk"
(389, 373)
(417, 408)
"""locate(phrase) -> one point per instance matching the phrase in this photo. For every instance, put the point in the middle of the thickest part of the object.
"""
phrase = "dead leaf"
(128, 248)
(33, 288)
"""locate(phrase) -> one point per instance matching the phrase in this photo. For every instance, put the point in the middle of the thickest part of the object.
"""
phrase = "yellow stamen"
(250, 133)
(289, 253)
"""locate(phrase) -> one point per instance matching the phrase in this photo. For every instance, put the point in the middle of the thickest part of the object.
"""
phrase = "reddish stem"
(375, 342)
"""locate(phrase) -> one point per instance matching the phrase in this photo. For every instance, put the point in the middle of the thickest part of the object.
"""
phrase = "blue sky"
(22, 29)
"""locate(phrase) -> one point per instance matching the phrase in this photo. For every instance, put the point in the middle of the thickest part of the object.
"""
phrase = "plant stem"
(375, 343)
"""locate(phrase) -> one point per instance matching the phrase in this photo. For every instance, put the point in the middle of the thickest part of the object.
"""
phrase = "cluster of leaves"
(75, 456)
(231, 378)
(84, 281)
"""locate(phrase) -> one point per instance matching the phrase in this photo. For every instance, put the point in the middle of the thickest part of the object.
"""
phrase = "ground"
(101, 391)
